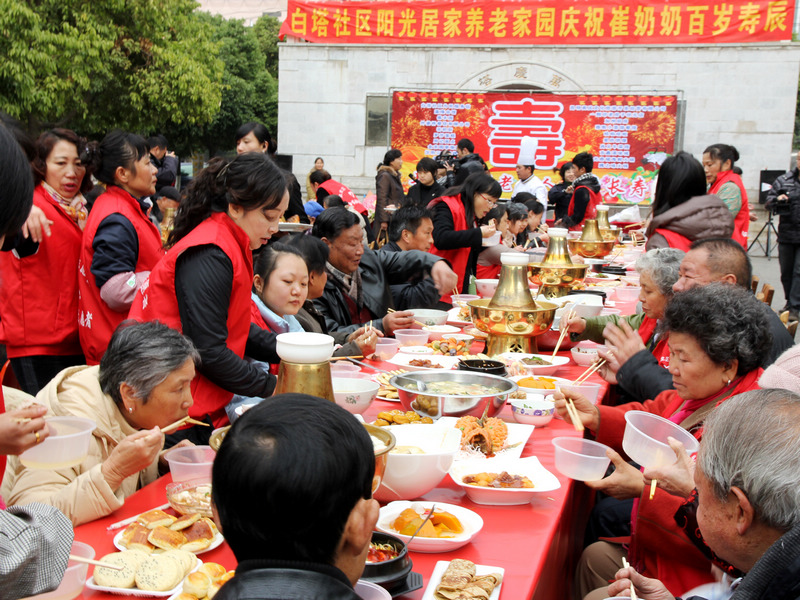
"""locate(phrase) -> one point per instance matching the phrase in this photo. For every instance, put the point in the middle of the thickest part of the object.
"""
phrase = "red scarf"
(660, 350)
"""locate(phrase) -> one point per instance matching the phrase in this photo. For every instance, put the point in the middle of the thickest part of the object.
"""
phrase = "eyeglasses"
(492, 203)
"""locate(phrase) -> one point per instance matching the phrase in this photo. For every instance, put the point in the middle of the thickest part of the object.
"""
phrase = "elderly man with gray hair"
(748, 498)
(141, 385)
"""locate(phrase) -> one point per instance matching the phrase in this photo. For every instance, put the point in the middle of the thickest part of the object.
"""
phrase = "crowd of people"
(109, 314)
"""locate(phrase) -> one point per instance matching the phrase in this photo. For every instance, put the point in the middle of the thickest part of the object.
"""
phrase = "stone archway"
(520, 76)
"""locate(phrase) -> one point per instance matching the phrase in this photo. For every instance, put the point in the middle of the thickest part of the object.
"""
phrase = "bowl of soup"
(452, 393)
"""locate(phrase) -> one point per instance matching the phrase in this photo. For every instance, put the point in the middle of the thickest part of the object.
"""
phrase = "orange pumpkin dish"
(440, 525)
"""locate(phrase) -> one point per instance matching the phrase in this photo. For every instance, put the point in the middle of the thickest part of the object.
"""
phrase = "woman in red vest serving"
(41, 332)
(682, 210)
(585, 193)
(120, 244)
(202, 286)
(457, 235)
(718, 161)
(638, 338)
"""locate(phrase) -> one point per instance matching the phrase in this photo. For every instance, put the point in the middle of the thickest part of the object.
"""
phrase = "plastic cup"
(645, 439)
(386, 348)
(66, 446)
(343, 369)
(74, 577)
(411, 337)
(192, 462)
(579, 459)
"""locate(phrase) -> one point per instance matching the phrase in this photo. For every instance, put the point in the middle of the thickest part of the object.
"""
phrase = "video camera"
(445, 158)
(781, 207)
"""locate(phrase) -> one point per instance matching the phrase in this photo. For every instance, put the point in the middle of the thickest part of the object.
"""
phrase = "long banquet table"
(537, 543)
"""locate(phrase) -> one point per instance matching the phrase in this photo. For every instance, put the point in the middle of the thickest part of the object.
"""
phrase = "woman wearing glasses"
(457, 235)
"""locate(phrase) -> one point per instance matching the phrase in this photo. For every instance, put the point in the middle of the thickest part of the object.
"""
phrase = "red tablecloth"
(536, 543)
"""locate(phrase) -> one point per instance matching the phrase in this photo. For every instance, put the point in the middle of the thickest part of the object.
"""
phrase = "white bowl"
(627, 293)
(530, 467)
(555, 363)
(74, 577)
(585, 353)
(462, 299)
(409, 476)
(471, 521)
(535, 410)
(304, 347)
(66, 446)
(645, 439)
(486, 287)
(191, 462)
(588, 389)
(354, 395)
(416, 349)
(411, 337)
(429, 316)
(437, 332)
(580, 459)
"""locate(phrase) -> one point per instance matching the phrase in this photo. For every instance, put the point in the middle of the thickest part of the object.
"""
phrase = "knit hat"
(313, 208)
(784, 373)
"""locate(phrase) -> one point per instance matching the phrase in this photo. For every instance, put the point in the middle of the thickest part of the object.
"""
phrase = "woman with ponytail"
(120, 244)
(202, 286)
(724, 181)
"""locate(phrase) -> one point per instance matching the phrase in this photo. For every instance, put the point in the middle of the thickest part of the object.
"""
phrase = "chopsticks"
(180, 422)
(653, 483)
(563, 334)
(126, 522)
(573, 415)
(589, 372)
(391, 310)
(97, 563)
(346, 357)
(626, 565)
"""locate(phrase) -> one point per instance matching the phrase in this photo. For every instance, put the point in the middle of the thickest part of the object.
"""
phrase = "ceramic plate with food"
(419, 363)
(462, 572)
(142, 571)
(503, 480)
(455, 316)
(516, 437)
(448, 538)
(536, 364)
(159, 529)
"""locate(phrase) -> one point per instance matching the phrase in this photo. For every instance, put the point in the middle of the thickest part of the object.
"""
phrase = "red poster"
(505, 22)
(629, 136)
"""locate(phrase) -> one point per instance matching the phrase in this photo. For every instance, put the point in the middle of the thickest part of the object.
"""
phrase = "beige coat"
(79, 492)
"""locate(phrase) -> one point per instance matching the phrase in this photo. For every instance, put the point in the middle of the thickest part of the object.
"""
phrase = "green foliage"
(249, 92)
(267, 29)
(142, 65)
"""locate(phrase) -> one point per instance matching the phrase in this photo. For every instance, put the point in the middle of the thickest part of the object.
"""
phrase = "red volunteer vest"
(156, 301)
(96, 321)
(675, 240)
(39, 293)
(257, 319)
(458, 257)
(741, 223)
(488, 271)
(591, 209)
(334, 188)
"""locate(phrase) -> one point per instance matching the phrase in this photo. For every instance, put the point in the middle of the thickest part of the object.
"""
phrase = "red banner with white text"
(629, 136)
(504, 22)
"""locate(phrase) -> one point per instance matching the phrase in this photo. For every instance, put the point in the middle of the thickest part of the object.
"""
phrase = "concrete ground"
(765, 267)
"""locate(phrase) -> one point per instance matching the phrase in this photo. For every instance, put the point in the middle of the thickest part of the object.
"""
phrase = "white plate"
(441, 567)
(136, 591)
(387, 399)
(424, 350)
(557, 380)
(557, 362)
(530, 467)
(471, 521)
(452, 318)
(403, 360)
(294, 227)
(218, 539)
(518, 434)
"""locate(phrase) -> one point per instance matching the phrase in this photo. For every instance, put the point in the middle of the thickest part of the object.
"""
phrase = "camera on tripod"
(781, 207)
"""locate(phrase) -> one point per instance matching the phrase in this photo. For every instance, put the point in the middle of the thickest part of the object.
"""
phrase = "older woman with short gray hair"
(638, 333)
(141, 385)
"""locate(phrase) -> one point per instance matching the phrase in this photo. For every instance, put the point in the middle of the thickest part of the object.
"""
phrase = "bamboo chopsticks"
(593, 368)
(564, 332)
(184, 421)
(97, 563)
(626, 565)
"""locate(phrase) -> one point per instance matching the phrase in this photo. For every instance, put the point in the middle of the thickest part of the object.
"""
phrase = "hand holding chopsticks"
(564, 331)
(627, 566)
(391, 310)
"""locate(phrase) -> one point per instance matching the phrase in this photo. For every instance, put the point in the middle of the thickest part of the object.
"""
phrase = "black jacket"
(167, 173)
(582, 197)
(789, 224)
(418, 292)
(378, 271)
(421, 195)
(559, 199)
(469, 164)
(286, 580)
(643, 378)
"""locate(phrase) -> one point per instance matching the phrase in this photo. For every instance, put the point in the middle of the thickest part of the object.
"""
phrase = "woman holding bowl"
(718, 335)
(457, 236)
(636, 339)
(202, 286)
(39, 293)
(141, 385)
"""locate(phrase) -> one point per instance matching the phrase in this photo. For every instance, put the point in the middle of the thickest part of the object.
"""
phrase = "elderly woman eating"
(717, 336)
(639, 338)
(141, 385)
